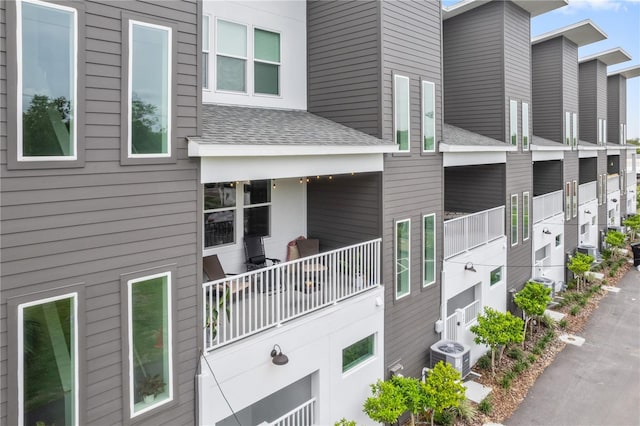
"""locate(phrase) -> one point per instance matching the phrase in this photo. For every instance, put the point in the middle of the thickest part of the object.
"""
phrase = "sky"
(620, 21)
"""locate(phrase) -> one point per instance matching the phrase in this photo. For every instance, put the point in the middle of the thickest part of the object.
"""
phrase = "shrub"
(582, 303)
(442, 389)
(515, 353)
(575, 310)
(562, 323)
(615, 240)
(520, 366)
(505, 382)
(497, 330)
(486, 406)
(612, 273)
(537, 351)
(484, 362)
(548, 321)
(533, 300)
(531, 358)
(445, 418)
(344, 422)
(386, 404)
(550, 334)
(579, 264)
(465, 410)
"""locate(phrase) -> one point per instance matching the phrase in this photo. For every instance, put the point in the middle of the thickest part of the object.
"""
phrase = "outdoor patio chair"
(308, 247)
(213, 271)
(254, 254)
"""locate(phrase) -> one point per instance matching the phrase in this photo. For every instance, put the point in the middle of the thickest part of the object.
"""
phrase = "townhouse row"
(406, 163)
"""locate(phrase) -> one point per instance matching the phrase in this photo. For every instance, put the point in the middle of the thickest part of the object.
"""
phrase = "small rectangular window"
(47, 63)
(428, 116)
(567, 201)
(149, 132)
(514, 219)
(600, 132)
(429, 250)
(231, 56)
(266, 54)
(401, 112)
(150, 342)
(48, 361)
(525, 216)
(219, 213)
(525, 126)
(567, 128)
(513, 122)
(574, 199)
(575, 129)
(558, 240)
(542, 254)
(358, 352)
(403, 257)
(496, 276)
(206, 36)
(604, 131)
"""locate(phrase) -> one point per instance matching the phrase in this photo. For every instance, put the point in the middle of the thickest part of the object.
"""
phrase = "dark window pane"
(257, 192)
(358, 352)
(266, 78)
(256, 221)
(230, 74)
(219, 228)
(219, 195)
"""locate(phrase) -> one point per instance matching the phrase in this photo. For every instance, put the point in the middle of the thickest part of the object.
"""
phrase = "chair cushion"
(308, 247)
(258, 260)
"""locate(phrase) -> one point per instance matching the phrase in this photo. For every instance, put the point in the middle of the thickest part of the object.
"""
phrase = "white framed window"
(150, 342)
(604, 131)
(558, 240)
(621, 135)
(206, 41)
(257, 208)
(401, 131)
(149, 106)
(357, 353)
(513, 122)
(495, 276)
(567, 201)
(574, 199)
(428, 249)
(600, 131)
(266, 62)
(575, 129)
(525, 126)
(525, 216)
(567, 128)
(231, 56)
(542, 254)
(514, 219)
(402, 238)
(47, 88)
(428, 116)
(48, 361)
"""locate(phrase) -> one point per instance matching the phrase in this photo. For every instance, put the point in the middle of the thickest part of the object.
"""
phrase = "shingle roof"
(537, 140)
(233, 125)
(588, 145)
(456, 136)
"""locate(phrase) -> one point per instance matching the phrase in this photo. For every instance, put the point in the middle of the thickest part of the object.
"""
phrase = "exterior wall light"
(277, 357)
(469, 267)
(546, 231)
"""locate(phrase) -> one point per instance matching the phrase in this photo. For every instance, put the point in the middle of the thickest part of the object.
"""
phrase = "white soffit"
(547, 155)
(581, 33)
(534, 7)
(225, 169)
(609, 57)
(629, 72)
(451, 159)
(587, 153)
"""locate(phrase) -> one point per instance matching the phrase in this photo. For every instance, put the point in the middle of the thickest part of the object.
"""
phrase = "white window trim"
(527, 133)
(567, 200)
(426, 83)
(513, 102)
(253, 68)
(207, 36)
(169, 31)
(395, 258)
(574, 131)
(604, 131)
(424, 243)
(21, 307)
(501, 268)
(567, 128)
(363, 361)
(514, 242)
(574, 198)
(526, 207)
(210, 250)
(245, 58)
(396, 77)
(19, 133)
(168, 385)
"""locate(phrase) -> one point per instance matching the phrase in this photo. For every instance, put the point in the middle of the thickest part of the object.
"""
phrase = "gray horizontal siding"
(547, 78)
(473, 58)
(547, 177)
(588, 102)
(569, 76)
(588, 169)
(616, 106)
(474, 188)
(91, 224)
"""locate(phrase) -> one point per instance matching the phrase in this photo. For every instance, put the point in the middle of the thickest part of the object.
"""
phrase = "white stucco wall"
(285, 17)
(591, 236)
(552, 266)
(615, 206)
(313, 345)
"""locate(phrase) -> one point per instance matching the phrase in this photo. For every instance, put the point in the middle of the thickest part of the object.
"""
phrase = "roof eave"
(444, 147)
(198, 148)
(581, 33)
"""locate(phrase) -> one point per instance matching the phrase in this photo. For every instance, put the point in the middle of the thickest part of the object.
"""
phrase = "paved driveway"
(598, 383)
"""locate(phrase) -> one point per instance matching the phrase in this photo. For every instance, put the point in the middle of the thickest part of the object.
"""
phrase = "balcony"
(242, 305)
(613, 183)
(472, 230)
(587, 192)
(304, 415)
(461, 318)
(547, 205)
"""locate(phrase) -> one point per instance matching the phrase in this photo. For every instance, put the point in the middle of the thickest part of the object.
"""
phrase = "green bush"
(520, 366)
(612, 273)
(484, 362)
(548, 321)
(575, 310)
(562, 323)
(464, 411)
(486, 406)
(582, 303)
(537, 351)
(505, 382)
(515, 353)
(445, 418)
(550, 334)
(344, 422)
(531, 358)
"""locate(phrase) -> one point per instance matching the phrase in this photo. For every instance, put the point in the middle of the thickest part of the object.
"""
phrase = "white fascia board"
(535, 147)
(444, 147)
(452, 159)
(590, 148)
(615, 149)
(581, 33)
(546, 155)
(582, 153)
(534, 8)
(609, 57)
(237, 150)
(629, 72)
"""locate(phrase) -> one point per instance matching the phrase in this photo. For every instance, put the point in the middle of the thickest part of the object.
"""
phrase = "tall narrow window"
(219, 214)
(48, 361)
(525, 126)
(604, 132)
(150, 341)
(47, 65)
(266, 67)
(574, 199)
(525, 216)
(428, 116)
(567, 128)
(621, 138)
(513, 122)
(514, 219)
(403, 257)
(206, 36)
(257, 208)
(600, 134)
(567, 201)
(149, 90)
(429, 249)
(575, 129)
(401, 112)
(231, 56)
